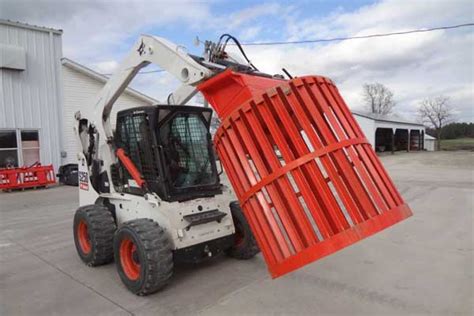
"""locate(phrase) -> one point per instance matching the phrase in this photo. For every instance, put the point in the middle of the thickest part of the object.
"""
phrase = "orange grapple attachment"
(308, 181)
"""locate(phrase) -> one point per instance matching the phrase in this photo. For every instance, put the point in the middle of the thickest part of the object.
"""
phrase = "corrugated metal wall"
(33, 98)
(368, 128)
(79, 90)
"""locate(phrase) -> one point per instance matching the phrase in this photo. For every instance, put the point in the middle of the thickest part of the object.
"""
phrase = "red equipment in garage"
(26, 177)
(306, 177)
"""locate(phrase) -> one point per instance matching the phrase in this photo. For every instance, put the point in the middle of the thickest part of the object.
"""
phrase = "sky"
(99, 33)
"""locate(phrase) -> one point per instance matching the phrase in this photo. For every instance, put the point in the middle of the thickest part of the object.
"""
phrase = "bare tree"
(378, 98)
(436, 112)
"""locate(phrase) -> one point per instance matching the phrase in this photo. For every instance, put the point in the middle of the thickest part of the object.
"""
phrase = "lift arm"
(94, 128)
(97, 138)
(148, 50)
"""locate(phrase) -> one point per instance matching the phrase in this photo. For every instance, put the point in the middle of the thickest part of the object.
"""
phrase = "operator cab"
(172, 148)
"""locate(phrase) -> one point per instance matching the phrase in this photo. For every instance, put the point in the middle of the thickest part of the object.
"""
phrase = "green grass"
(458, 144)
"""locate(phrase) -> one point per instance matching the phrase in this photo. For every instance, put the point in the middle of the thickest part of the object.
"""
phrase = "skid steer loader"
(150, 190)
(151, 193)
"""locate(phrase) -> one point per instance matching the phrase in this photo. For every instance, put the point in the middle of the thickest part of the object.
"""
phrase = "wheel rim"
(129, 259)
(83, 237)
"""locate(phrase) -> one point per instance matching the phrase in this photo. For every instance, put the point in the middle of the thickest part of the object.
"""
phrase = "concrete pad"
(423, 265)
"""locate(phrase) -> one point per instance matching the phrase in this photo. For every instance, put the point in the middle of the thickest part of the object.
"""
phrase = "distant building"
(430, 143)
(390, 132)
(30, 95)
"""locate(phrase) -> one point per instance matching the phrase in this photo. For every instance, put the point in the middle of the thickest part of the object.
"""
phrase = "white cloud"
(252, 13)
(96, 30)
(98, 33)
(414, 66)
(106, 67)
(159, 85)
(250, 33)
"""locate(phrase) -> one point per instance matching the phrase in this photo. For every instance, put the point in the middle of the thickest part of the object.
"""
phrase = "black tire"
(94, 229)
(151, 260)
(245, 247)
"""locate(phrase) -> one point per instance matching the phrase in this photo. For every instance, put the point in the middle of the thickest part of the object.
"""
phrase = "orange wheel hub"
(83, 237)
(129, 259)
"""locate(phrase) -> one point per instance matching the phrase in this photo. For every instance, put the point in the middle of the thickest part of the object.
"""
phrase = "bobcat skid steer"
(150, 190)
(307, 181)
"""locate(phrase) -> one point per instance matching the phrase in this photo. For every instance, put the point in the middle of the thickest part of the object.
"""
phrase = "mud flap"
(307, 179)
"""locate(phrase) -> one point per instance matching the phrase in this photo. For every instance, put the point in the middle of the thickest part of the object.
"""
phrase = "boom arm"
(147, 50)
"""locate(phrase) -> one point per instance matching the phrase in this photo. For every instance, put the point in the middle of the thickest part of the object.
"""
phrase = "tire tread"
(250, 248)
(158, 254)
(101, 228)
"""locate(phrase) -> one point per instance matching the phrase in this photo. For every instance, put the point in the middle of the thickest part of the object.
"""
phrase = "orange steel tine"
(340, 159)
(329, 204)
(367, 154)
(329, 163)
(299, 235)
(302, 175)
(328, 102)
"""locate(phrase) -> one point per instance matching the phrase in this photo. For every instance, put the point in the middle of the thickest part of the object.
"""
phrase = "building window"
(30, 148)
(8, 149)
(19, 148)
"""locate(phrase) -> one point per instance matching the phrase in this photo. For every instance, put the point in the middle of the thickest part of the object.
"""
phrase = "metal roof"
(30, 27)
(99, 77)
(393, 118)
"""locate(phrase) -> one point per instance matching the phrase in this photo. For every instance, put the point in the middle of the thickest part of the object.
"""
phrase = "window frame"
(19, 147)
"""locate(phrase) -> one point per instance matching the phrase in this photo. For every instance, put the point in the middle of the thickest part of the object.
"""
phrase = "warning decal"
(83, 181)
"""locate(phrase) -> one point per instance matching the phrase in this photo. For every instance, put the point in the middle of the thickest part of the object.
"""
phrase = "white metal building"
(39, 93)
(81, 85)
(30, 94)
(430, 143)
(391, 132)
